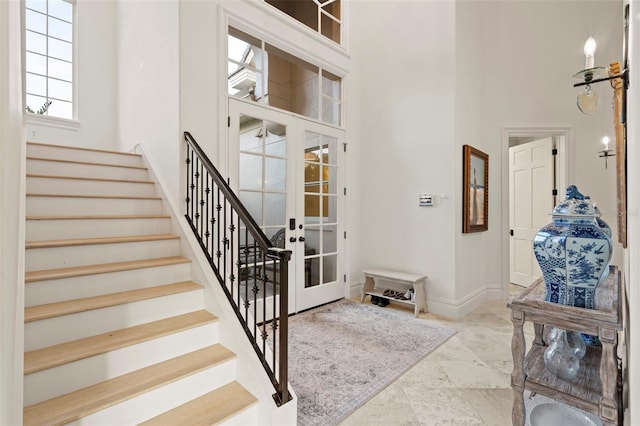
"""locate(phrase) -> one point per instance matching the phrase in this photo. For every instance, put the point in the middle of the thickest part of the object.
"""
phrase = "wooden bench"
(402, 280)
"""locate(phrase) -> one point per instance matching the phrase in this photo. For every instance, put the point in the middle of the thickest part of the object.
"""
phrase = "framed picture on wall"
(475, 205)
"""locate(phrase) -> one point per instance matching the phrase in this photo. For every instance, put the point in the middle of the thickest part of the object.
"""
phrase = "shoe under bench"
(396, 280)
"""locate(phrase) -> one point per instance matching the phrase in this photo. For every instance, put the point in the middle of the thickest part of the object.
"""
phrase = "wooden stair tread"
(83, 402)
(111, 197)
(90, 163)
(209, 409)
(81, 148)
(33, 175)
(99, 240)
(100, 217)
(51, 310)
(76, 271)
(63, 353)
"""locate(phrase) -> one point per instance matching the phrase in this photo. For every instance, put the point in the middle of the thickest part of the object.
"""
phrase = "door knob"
(292, 239)
(300, 239)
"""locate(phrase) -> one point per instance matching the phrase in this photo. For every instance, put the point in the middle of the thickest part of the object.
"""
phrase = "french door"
(288, 173)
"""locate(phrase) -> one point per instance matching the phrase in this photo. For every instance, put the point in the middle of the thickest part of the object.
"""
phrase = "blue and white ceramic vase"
(574, 251)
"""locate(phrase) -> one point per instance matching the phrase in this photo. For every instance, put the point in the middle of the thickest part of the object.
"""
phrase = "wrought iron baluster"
(247, 302)
(274, 324)
(196, 200)
(232, 276)
(202, 184)
(225, 243)
(207, 207)
(255, 288)
(214, 234)
(212, 205)
(264, 305)
(219, 245)
(192, 187)
(188, 180)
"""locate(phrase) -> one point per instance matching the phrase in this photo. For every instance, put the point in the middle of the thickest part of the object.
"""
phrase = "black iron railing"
(253, 273)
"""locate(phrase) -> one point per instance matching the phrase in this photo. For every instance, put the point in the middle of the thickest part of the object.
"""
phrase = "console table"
(597, 388)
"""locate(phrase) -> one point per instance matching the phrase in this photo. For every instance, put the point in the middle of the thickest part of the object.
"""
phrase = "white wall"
(421, 91)
(148, 83)
(512, 73)
(200, 97)
(402, 105)
(96, 83)
(12, 204)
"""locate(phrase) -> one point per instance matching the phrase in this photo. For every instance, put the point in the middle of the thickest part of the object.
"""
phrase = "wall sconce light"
(606, 152)
(588, 100)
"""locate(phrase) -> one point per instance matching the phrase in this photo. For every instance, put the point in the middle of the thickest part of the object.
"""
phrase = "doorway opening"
(535, 164)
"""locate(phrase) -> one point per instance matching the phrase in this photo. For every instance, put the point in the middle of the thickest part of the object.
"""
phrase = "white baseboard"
(494, 293)
(355, 289)
(448, 308)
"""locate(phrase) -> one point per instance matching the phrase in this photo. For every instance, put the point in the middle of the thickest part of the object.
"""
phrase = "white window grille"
(49, 53)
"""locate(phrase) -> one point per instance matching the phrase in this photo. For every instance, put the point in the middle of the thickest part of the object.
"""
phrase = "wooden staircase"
(115, 329)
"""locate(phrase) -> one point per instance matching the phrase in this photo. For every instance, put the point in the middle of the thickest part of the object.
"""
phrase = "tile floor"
(466, 381)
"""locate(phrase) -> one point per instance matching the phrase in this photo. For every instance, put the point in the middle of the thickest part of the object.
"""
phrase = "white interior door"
(530, 204)
(287, 171)
(320, 167)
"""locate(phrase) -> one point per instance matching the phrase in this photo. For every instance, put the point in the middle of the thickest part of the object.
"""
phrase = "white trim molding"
(54, 122)
(457, 309)
(449, 308)
(273, 26)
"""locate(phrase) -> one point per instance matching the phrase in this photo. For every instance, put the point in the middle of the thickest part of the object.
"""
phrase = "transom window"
(49, 57)
(322, 16)
(263, 73)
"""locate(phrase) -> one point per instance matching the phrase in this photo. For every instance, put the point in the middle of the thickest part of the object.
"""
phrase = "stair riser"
(37, 230)
(48, 332)
(153, 403)
(67, 378)
(243, 418)
(67, 206)
(58, 168)
(36, 150)
(64, 257)
(50, 291)
(39, 185)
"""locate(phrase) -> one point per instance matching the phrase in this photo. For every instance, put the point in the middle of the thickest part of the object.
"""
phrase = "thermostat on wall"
(426, 200)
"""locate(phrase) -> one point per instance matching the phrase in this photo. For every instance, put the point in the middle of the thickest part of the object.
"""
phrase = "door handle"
(292, 239)
(300, 239)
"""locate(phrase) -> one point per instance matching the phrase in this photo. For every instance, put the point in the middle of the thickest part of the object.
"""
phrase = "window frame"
(52, 120)
(265, 45)
(319, 12)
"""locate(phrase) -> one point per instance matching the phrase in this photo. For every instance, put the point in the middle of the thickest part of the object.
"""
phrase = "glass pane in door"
(262, 171)
(262, 166)
(320, 209)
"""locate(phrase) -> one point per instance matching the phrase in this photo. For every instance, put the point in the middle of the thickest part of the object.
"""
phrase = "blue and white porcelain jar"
(574, 251)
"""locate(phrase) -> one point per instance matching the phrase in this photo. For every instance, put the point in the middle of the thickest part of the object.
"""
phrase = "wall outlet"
(33, 134)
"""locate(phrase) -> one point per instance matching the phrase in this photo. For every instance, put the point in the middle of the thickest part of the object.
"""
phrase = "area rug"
(342, 354)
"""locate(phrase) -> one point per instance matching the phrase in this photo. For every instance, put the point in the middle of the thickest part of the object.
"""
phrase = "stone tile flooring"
(466, 381)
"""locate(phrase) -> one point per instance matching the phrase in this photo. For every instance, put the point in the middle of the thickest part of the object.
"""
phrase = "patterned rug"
(344, 353)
